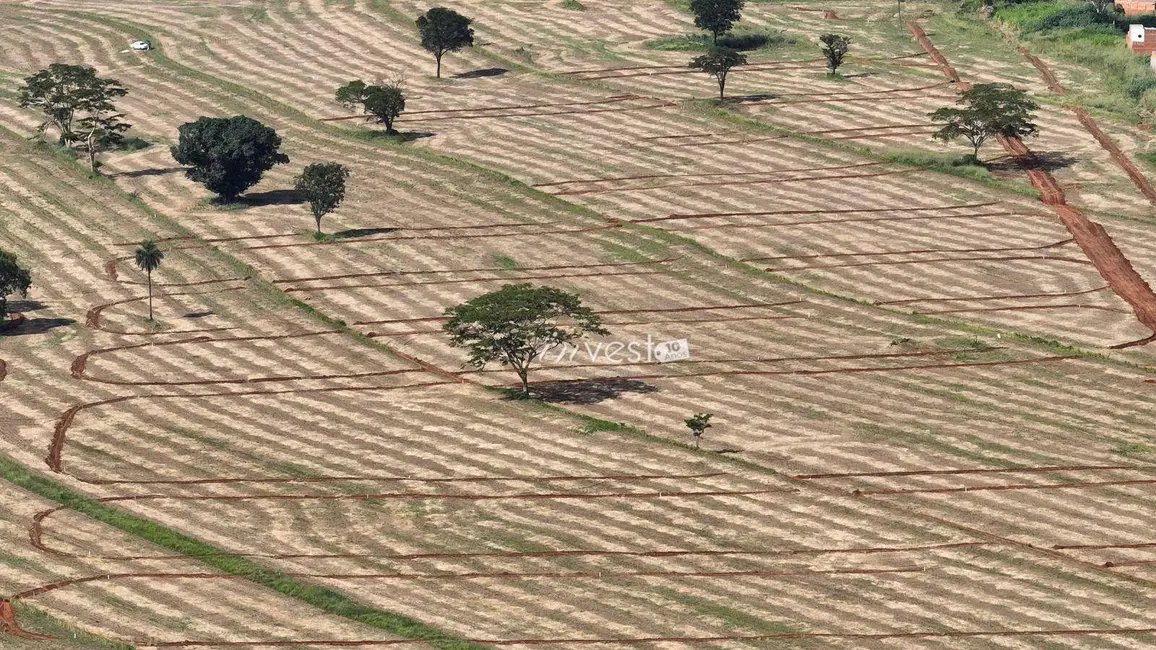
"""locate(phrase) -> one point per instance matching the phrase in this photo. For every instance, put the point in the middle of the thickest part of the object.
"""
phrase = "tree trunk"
(150, 274)
(524, 375)
(317, 218)
(722, 84)
(439, 58)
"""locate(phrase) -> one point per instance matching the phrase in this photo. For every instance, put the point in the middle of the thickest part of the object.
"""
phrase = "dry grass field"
(932, 391)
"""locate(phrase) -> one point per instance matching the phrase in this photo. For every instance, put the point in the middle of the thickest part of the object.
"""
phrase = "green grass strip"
(322, 598)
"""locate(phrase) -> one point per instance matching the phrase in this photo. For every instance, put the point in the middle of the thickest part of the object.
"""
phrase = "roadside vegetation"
(1092, 36)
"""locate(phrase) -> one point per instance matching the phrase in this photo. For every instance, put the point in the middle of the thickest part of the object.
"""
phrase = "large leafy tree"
(148, 258)
(323, 185)
(60, 91)
(13, 280)
(985, 111)
(384, 102)
(78, 104)
(444, 30)
(228, 155)
(718, 62)
(716, 16)
(516, 323)
(835, 48)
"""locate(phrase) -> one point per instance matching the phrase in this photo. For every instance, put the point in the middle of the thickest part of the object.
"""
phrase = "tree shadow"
(400, 137)
(484, 72)
(198, 314)
(159, 171)
(271, 197)
(361, 232)
(129, 145)
(37, 326)
(589, 391)
(743, 99)
(1048, 161)
(24, 306)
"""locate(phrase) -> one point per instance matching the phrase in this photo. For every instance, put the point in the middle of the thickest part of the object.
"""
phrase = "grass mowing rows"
(322, 598)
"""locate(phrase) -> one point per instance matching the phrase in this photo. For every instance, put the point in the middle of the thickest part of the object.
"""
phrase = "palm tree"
(148, 259)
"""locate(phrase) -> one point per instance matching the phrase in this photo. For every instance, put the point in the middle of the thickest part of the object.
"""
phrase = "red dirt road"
(1090, 236)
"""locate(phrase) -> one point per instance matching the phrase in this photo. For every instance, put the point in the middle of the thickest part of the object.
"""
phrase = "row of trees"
(719, 61)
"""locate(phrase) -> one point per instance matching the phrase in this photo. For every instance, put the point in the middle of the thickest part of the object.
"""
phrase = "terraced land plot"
(886, 480)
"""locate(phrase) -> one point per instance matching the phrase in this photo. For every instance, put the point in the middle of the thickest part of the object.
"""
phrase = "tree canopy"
(148, 258)
(986, 111)
(384, 102)
(716, 16)
(444, 30)
(79, 104)
(698, 424)
(13, 280)
(718, 62)
(60, 91)
(835, 48)
(516, 323)
(228, 155)
(323, 185)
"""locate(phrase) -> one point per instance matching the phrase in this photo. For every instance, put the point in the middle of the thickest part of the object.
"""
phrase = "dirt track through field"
(830, 371)
(1090, 236)
(574, 642)
(1117, 155)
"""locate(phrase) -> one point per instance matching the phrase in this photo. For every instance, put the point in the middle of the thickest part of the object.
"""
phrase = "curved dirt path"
(1090, 236)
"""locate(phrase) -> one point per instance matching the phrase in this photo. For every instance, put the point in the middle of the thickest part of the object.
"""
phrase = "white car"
(141, 46)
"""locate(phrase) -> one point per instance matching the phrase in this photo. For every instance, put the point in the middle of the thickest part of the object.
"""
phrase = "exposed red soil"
(360, 240)
(574, 642)
(1049, 78)
(1010, 258)
(678, 67)
(406, 479)
(56, 447)
(584, 181)
(616, 323)
(1074, 305)
(933, 52)
(763, 213)
(502, 575)
(662, 310)
(911, 252)
(10, 626)
(829, 371)
(501, 278)
(546, 114)
(487, 109)
(93, 317)
(960, 472)
(406, 496)
(837, 357)
(1117, 154)
(1086, 120)
(1019, 296)
(1022, 486)
(347, 276)
(780, 224)
(1090, 236)
(110, 268)
(769, 181)
(1095, 547)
